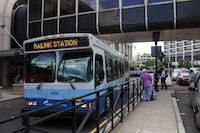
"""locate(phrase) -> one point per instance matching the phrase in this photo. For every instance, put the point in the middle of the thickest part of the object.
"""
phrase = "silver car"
(194, 93)
(175, 73)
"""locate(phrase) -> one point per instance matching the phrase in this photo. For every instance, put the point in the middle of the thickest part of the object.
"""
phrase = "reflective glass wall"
(47, 17)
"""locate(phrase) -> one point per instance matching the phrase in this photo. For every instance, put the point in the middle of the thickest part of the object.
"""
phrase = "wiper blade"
(72, 85)
(39, 85)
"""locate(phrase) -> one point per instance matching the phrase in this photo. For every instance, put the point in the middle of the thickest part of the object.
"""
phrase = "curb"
(181, 128)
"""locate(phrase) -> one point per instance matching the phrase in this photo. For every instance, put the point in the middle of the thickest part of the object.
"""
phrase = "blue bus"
(65, 66)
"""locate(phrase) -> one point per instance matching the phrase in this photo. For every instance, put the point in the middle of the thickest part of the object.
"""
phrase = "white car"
(175, 73)
(195, 69)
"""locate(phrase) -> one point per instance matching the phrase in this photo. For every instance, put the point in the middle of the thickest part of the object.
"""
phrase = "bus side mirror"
(99, 76)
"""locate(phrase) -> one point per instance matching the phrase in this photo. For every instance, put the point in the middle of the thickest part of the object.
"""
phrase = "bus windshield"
(76, 67)
(40, 67)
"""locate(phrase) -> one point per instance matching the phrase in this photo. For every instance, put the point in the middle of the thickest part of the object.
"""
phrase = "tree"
(149, 63)
(181, 63)
(187, 64)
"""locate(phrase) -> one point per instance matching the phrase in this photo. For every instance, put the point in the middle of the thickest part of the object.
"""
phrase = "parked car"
(182, 78)
(194, 94)
(150, 70)
(135, 71)
(195, 69)
(175, 73)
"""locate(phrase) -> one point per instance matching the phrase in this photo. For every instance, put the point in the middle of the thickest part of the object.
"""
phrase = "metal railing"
(129, 94)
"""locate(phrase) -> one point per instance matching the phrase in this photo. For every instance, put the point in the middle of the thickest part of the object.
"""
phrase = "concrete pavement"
(7, 94)
(158, 116)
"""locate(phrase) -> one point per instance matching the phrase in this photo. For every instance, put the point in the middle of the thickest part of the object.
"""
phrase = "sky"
(145, 47)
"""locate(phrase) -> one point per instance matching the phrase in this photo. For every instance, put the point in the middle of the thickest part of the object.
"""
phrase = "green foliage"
(149, 63)
(181, 63)
(185, 64)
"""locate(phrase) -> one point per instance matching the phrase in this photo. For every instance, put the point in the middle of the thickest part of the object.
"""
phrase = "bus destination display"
(57, 44)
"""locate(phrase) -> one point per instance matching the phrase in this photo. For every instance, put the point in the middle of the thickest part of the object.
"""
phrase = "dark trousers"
(163, 83)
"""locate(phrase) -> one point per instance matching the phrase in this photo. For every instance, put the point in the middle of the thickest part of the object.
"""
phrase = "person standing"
(190, 76)
(156, 80)
(163, 77)
(147, 84)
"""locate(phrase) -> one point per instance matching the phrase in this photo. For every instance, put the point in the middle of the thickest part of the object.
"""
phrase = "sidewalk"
(159, 116)
(7, 94)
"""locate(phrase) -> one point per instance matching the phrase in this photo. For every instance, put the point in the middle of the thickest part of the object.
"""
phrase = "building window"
(172, 58)
(50, 8)
(196, 55)
(67, 7)
(179, 56)
(187, 42)
(86, 5)
(153, 1)
(196, 41)
(107, 4)
(187, 48)
(132, 2)
(187, 56)
(172, 46)
(35, 13)
(172, 41)
(167, 43)
(172, 51)
(196, 46)
(179, 44)
(167, 51)
(179, 49)
(166, 47)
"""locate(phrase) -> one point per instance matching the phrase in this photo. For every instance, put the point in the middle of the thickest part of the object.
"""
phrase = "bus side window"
(108, 69)
(122, 68)
(99, 73)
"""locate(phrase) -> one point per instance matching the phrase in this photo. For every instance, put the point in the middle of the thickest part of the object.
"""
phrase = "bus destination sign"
(57, 43)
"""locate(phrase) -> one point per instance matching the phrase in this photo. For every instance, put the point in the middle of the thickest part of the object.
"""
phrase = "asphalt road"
(187, 114)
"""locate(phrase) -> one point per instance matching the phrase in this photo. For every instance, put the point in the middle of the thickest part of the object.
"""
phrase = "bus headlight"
(31, 103)
(87, 105)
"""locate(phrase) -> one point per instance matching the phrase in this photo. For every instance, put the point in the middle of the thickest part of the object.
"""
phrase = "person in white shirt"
(190, 76)
(163, 77)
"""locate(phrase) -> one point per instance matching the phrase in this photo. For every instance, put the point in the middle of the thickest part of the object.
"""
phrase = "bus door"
(99, 70)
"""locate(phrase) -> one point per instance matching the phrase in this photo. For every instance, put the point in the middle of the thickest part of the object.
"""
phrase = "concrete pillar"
(1, 87)
(6, 72)
(1, 72)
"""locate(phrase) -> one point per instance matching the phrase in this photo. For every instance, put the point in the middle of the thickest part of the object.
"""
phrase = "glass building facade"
(98, 16)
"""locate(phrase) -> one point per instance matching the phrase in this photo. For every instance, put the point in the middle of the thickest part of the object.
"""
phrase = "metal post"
(156, 36)
(122, 115)
(97, 112)
(156, 83)
(74, 117)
